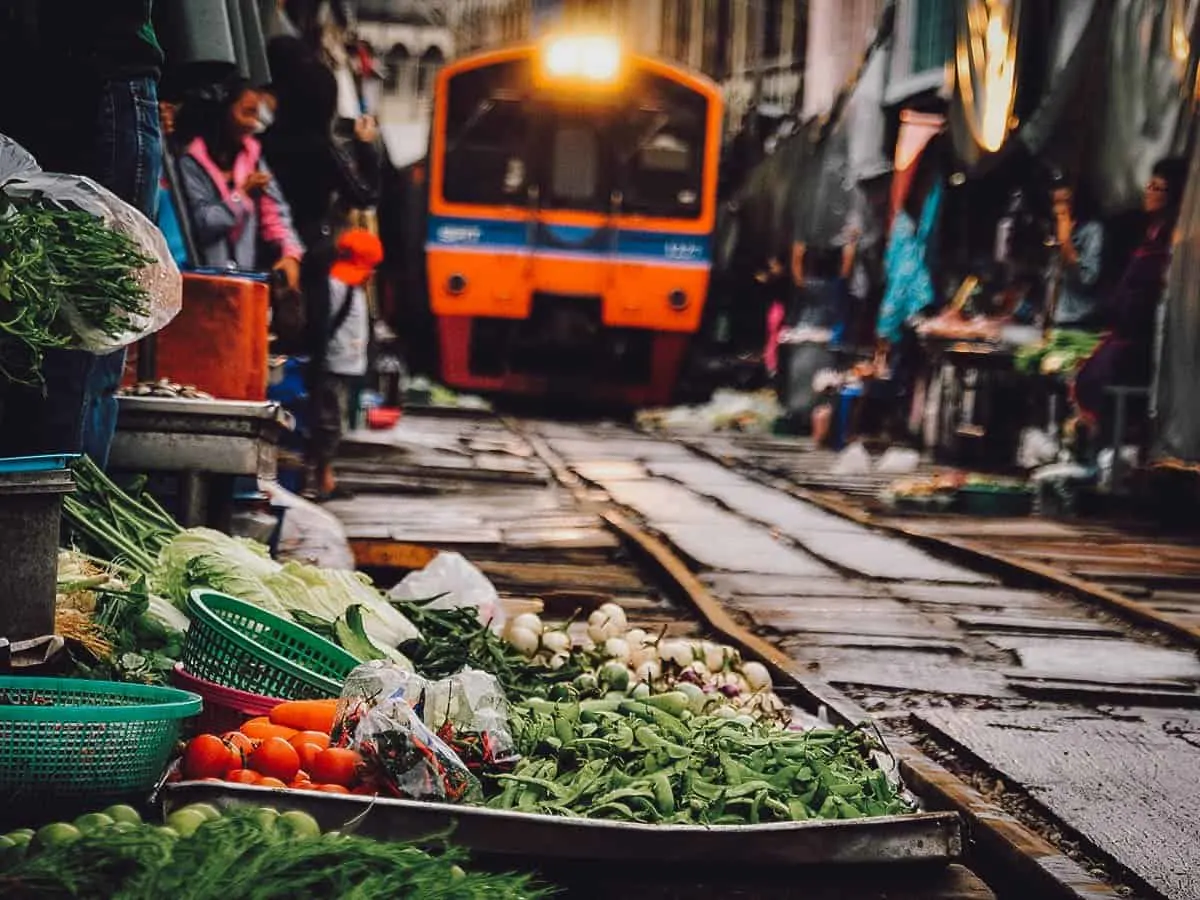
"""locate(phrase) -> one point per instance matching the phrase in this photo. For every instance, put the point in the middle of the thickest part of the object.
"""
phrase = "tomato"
(331, 789)
(302, 782)
(366, 790)
(207, 756)
(336, 766)
(243, 776)
(271, 783)
(307, 753)
(242, 745)
(310, 737)
(276, 758)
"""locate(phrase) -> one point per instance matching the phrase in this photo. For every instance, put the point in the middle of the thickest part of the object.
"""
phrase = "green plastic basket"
(238, 645)
(65, 738)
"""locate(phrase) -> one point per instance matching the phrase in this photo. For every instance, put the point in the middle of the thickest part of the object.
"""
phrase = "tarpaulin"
(1151, 76)
(1174, 395)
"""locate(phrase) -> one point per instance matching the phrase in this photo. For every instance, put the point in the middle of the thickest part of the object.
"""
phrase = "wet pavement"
(1050, 692)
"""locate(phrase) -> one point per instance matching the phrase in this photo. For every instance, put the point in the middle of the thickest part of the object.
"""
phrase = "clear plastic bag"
(379, 716)
(469, 711)
(456, 583)
(21, 179)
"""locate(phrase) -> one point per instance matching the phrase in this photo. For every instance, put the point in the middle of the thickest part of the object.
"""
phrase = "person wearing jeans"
(88, 106)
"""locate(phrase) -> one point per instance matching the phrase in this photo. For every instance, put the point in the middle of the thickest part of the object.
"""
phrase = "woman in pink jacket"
(240, 219)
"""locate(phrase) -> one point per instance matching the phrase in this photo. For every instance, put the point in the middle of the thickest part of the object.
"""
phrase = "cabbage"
(203, 558)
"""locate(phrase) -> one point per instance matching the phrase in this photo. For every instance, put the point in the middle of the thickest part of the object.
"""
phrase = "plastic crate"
(65, 738)
(238, 645)
(225, 709)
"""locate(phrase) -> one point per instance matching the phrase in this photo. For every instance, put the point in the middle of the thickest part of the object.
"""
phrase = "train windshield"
(647, 147)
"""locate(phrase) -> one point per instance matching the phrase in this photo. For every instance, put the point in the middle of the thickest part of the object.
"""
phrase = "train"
(568, 217)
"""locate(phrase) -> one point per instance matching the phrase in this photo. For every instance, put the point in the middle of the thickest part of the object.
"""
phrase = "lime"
(55, 834)
(94, 822)
(21, 835)
(266, 818)
(207, 810)
(167, 830)
(122, 813)
(125, 827)
(297, 824)
(186, 821)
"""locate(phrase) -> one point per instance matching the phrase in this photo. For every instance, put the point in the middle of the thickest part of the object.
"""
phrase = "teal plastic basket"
(238, 645)
(66, 738)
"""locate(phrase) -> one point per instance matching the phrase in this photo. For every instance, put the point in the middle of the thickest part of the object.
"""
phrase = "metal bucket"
(197, 37)
(30, 516)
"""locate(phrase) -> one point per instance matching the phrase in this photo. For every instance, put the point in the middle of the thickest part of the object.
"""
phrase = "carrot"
(262, 728)
(306, 715)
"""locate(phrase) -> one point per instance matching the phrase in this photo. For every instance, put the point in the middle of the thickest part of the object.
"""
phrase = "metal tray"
(919, 838)
(224, 437)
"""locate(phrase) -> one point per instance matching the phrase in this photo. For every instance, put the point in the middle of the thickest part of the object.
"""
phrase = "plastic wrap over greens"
(158, 277)
(201, 557)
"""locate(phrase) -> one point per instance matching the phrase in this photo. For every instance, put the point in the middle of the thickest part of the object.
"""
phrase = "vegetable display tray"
(928, 838)
(63, 738)
(49, 463)
(238, 645)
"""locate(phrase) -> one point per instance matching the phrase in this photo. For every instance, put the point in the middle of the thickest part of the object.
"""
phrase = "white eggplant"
(557, 641)
(757, 676)
(524, 640)
(617, 648)
(528, 621)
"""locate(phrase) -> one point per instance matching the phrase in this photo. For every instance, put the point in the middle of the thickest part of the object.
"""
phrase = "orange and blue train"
(569, 220)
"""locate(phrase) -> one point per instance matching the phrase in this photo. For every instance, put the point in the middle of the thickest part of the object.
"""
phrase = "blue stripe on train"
(569, 240)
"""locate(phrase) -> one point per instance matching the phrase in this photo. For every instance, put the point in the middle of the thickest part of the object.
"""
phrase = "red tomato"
(309, 737)
(271, 783)
(207, 756)
(307, 753)
(336, 766)
(276, 758)
(243, 776)
(331, 789)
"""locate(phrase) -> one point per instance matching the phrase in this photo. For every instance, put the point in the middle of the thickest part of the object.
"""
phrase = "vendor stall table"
(205, 444)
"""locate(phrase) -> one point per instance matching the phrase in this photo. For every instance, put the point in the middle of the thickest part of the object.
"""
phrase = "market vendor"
(81, 94)
(1080, 239)
(239, 217)
(1124, 357)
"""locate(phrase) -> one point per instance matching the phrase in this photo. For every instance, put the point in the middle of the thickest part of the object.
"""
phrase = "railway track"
(572, 516)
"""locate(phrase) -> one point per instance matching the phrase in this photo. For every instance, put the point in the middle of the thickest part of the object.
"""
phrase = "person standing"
(81, 95)
(359, 254)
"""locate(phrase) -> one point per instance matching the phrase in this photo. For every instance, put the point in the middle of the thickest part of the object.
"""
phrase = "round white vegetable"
(617, 648)
(648, 672)
(643, 654)
(714, 657)
(528, 621)
(558, 660)
(637, 637)
(557, 641)
(675, 651)
(524, 640)
(757, 676)
(599, 633)
(616, 615)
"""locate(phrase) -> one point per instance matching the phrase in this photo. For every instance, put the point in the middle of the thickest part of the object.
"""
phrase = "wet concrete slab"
(610, 470)
(1118, 660)
(982, 596)
(900, 669)
(662, 502)
(1036, 625)
(727, 543)
(887, 558)
(732, 585)
(891, 624)
(1128, 785)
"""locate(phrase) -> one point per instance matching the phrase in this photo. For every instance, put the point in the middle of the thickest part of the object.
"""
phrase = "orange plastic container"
(219, 340)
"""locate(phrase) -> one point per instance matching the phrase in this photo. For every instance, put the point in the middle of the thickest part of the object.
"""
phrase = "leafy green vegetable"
(61, 271)
(203, 558)
(455, 639)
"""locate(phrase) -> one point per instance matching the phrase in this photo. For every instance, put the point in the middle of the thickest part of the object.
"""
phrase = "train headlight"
(594, 59)
(456, 284)
(678, 300)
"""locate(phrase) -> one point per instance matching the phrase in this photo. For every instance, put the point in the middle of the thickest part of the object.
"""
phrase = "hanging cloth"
(909, 282)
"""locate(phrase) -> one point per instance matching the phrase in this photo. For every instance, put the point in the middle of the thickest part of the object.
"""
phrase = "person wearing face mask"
(235, 206)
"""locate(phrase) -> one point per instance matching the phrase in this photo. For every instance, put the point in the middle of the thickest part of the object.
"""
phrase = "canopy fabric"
(1174, 394)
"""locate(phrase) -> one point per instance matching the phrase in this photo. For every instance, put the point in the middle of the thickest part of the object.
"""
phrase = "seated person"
(1124, 357)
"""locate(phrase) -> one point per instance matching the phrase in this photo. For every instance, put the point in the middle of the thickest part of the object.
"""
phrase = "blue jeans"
(121, 148)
